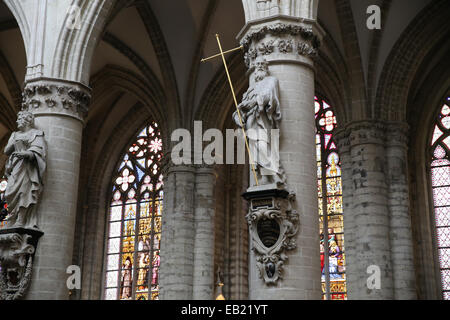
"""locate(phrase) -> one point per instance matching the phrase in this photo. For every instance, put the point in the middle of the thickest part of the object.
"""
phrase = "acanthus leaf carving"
(266, 48)
(68, 98)
(285, 46)
(280, 29)
(305, 49)
(286, 38)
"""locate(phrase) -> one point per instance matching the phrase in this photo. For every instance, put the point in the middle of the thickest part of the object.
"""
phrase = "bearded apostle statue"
(25, 168)
(260, 114)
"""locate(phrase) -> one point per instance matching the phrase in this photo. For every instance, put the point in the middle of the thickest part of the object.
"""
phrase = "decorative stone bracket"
(17, 248)
(273, 225)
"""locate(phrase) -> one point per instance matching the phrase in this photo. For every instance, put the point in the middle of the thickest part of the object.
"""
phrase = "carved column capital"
(373, 132)
(397, 134)
(168, 167)
(342, 137)
(280, 39)
(366, 132)
(52, 96)
(205, 169)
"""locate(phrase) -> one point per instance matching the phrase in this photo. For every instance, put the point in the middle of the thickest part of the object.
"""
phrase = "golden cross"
(222, 54)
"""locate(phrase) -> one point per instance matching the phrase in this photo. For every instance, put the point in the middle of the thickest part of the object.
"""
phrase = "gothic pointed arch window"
(331, 219)
(134, 221)
(440, 181)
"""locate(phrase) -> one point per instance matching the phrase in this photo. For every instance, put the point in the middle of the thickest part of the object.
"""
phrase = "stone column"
(205, 180)
(350, 228)
(59, 108)
(369, 244)
(400, 220)
(178, 236)
(288, 45)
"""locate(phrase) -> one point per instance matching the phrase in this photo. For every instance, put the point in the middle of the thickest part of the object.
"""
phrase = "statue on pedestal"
(25, 168)
(261, 115)
(27, 151)
(273, 221)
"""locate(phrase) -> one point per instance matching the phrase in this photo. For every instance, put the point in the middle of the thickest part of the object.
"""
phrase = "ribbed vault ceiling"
(184, 32)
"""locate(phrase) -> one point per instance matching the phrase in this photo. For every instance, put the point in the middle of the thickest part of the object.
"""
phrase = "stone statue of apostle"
(261, 115)
(25, 168)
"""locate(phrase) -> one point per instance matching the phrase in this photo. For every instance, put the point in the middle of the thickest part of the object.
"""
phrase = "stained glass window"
(134, 221)
(329, 185)
(3, 205)
(440, 180)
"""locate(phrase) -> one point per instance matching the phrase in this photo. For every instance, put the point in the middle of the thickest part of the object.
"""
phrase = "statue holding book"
(25, 168)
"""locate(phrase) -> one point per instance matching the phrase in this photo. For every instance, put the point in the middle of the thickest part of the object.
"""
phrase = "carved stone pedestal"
(17, 248)
(273, 225)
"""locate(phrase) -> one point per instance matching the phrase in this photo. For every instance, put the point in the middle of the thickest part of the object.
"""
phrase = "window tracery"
(329, 184)
(134, 221)
(440, 181)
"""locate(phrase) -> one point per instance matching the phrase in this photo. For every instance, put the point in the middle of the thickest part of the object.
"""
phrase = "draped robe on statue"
(25, 175)
(260, 112)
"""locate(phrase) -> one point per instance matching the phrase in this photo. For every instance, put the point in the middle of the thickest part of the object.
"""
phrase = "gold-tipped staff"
(222, 54)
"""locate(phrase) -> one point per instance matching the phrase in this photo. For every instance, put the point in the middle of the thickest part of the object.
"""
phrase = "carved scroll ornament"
(273, 232)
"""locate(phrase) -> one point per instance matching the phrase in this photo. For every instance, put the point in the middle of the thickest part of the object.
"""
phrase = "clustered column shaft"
(376, 213)
(204, 234)
(400, 220)
(178, 237)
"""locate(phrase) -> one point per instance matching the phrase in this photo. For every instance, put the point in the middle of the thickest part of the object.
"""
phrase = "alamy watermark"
(73, 20)
(212, 147)
(74, 280)
(374, 280)
(374, 20)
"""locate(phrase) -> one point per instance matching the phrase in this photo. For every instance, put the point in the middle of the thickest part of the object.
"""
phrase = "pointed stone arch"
(114, 78)
(16, 8)
(75, 47)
